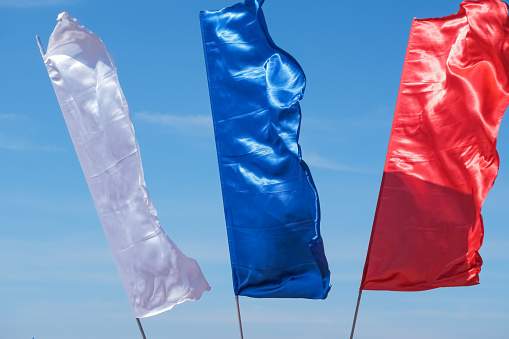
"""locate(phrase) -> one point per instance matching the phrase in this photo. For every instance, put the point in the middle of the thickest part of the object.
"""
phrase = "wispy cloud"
(49, 261)
(16, 134)
(375, 117)
(18, 144)
(34, 3)
(453, 313)
(266, 316)
(10, 117)
(315, 160)
(195, 125)
(177, 121)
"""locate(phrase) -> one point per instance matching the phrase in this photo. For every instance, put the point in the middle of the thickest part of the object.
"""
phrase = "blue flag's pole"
(141, 328)
(356, 311)
(238, 314)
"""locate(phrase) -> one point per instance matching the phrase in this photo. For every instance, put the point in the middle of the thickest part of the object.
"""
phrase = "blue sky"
(57, 275)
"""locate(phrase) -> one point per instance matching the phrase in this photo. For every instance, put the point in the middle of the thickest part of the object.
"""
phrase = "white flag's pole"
(356, 311)
(238, 314)
(141, 328)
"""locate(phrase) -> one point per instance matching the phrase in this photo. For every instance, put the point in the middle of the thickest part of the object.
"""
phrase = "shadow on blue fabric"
(271, 205)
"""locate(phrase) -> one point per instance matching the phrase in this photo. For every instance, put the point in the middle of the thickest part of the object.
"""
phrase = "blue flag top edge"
(270, 201)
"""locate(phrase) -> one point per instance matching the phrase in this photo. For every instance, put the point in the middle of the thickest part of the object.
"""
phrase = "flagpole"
(141, 328)
(356, 311)
(238, 315)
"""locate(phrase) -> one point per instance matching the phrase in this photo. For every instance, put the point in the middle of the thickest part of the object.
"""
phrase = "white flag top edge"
(155, 273)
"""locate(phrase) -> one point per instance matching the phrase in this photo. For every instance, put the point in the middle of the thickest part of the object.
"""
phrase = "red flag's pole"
(356, 311)
(238, 314)
(141, 328)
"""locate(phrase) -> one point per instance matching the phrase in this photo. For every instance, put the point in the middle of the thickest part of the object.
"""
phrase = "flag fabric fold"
(442, 159)
(270, 201)
(155, 273)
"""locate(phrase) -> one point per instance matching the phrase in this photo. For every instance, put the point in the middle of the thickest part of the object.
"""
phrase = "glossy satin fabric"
(442, 157)
(155, 273)
(270, 202)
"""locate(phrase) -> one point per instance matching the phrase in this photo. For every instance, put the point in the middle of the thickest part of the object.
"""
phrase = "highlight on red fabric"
(442, 157)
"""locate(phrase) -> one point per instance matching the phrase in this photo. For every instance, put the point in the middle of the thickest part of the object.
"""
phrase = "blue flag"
(270, 201)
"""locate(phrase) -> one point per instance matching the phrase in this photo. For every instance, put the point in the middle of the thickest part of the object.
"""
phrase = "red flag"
(442, 157)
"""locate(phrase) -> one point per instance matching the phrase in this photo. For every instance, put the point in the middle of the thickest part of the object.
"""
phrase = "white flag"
(155, 273)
